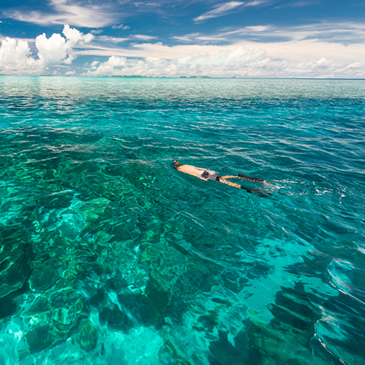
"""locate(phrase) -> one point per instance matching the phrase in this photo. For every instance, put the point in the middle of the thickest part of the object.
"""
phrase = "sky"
(254, 38)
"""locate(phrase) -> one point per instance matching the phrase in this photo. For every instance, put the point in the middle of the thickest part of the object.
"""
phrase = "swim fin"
(262, 193)
(253, 179)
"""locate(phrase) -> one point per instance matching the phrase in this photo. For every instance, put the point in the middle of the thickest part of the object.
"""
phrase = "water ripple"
(105, 249)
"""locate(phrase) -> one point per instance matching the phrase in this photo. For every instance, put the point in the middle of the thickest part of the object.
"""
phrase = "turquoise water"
(110, 256)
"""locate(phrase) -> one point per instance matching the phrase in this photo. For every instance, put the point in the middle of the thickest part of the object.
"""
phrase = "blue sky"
(255, 38)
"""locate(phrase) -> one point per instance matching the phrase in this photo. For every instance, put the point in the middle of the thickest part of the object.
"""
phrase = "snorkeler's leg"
(223, 180)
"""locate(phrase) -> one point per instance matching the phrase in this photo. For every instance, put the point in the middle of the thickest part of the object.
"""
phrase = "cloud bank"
(15, 55)
(238, 62)
(217, 64)
(300, 55)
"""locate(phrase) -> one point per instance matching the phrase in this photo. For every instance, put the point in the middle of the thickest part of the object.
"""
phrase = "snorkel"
(175, 164)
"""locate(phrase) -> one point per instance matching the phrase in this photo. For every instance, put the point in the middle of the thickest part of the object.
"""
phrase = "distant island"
(182, 77)
(128, 76)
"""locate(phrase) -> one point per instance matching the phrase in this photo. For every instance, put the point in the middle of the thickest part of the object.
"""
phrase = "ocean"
(108, 255)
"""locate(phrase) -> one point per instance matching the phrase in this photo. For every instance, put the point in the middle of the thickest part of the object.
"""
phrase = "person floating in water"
(205, 174)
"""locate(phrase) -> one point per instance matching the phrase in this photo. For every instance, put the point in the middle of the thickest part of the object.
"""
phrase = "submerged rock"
(225, 353)
(44, 276)
(155, 303)
(115, 318)
(88, 336)
(38, 339)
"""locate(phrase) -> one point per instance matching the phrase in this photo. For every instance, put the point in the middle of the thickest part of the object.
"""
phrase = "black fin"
(262, 193)
(253, 179)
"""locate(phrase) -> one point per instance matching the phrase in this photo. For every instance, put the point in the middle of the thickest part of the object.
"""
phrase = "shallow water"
(108, 255)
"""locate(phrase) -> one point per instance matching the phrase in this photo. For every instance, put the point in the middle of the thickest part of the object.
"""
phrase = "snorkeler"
(205, 174)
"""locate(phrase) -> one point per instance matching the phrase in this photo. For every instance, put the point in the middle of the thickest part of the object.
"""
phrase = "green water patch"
(111, 256)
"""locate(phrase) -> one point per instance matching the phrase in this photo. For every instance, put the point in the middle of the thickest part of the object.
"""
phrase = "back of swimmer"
(206, 174)
(209, 175)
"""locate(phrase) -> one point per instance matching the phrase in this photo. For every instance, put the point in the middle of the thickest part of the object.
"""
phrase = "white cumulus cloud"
(51, 50)
(108, 68)
(15, 54)
(16, 57)
(75, 37)
(56, 49)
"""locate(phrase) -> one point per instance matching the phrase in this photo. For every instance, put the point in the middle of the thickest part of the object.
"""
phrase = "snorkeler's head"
(175, 164)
